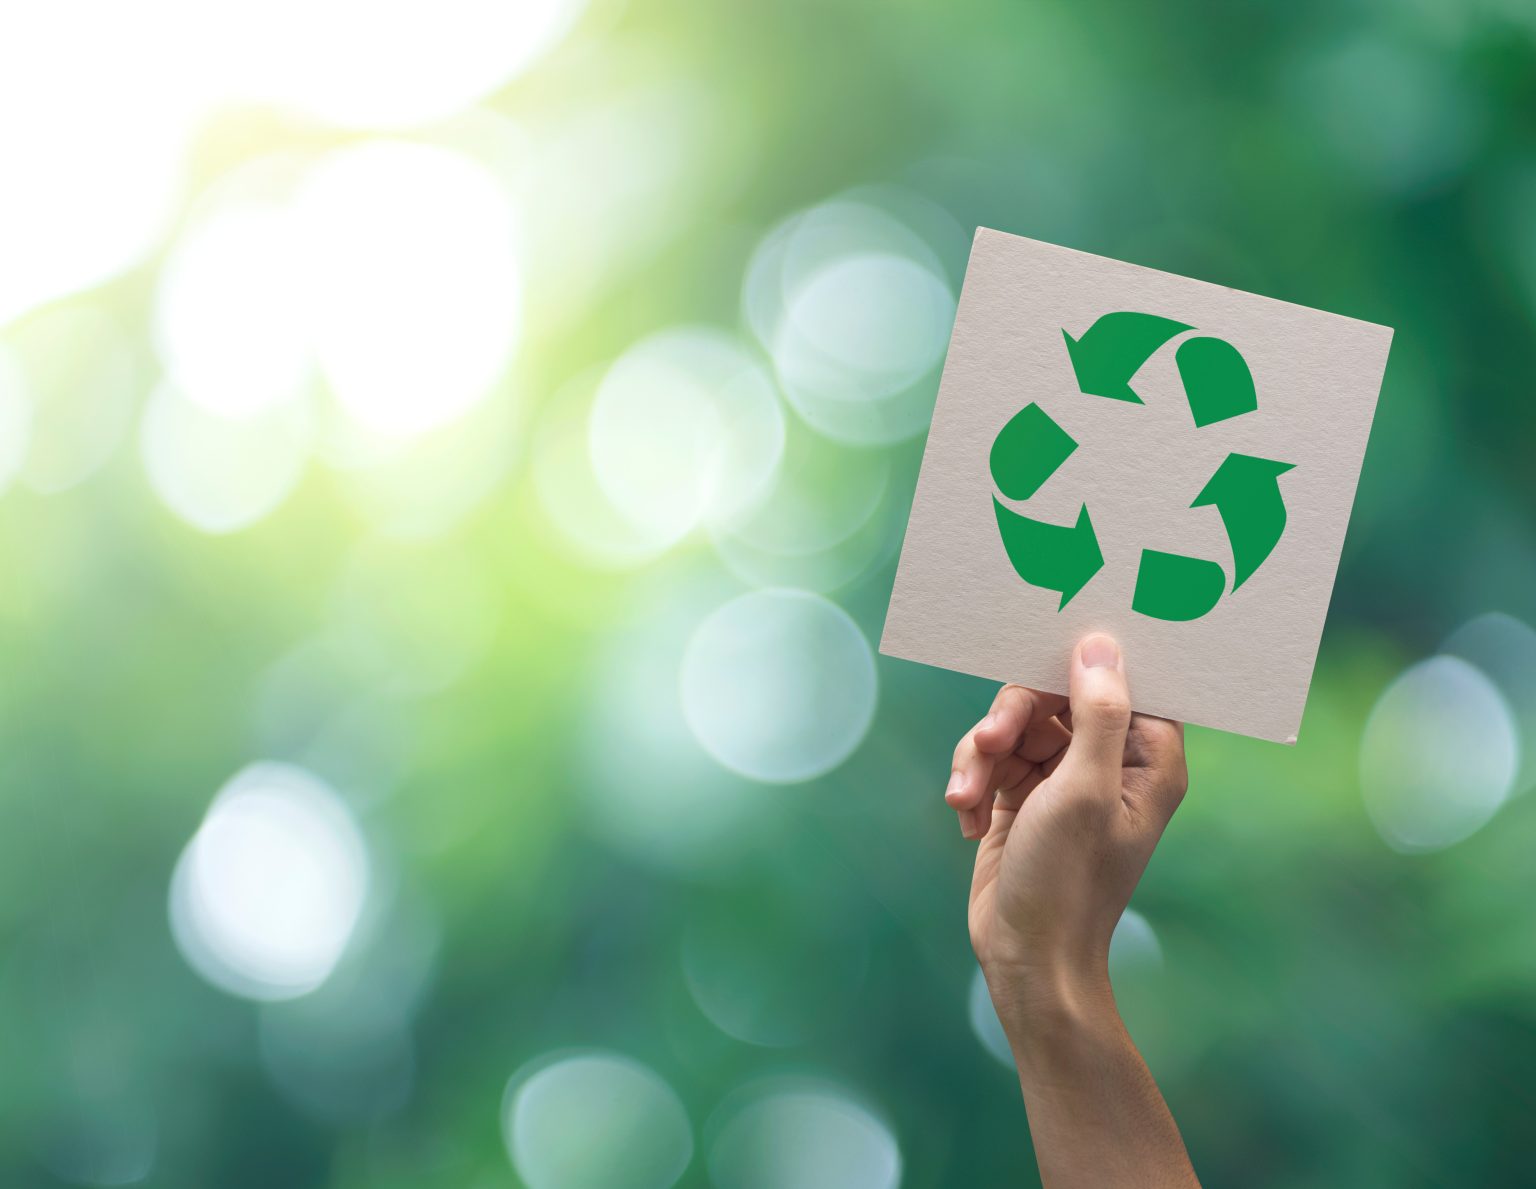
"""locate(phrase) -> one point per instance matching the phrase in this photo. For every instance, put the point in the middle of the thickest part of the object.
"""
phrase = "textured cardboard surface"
(1247, 664)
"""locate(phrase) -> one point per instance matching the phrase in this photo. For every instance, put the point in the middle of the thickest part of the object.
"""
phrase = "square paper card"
(1123, 450)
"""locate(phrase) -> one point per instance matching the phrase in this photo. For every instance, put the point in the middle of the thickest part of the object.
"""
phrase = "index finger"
(1013, 711)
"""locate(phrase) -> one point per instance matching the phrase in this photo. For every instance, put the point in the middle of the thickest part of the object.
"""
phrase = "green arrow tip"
(1239, 474)
(1111, 351)
(1090, 558)
(1053, 556)
(1246, 492)
(1096, 375)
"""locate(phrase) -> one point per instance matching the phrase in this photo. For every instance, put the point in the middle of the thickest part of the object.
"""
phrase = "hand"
(1069, 798)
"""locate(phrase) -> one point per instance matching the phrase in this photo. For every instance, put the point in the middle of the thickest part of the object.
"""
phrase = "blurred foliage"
(1327, 1011)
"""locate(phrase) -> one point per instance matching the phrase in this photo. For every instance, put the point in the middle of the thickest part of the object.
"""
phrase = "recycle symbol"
(1245, 490)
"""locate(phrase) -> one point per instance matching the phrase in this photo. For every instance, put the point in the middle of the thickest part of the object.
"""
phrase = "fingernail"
(956, 786)
(965, 828)
(989, 721)
(1100, 652)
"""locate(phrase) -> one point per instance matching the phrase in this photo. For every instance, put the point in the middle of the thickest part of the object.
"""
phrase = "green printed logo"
(1245, 491)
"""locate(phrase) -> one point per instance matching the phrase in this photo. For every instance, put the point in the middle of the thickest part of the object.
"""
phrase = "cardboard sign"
(1118, 449)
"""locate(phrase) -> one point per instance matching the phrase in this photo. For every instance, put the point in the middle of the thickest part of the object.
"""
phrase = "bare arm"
(1068, 799)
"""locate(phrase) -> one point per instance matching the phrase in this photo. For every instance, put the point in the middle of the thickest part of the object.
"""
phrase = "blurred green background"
(454, 457)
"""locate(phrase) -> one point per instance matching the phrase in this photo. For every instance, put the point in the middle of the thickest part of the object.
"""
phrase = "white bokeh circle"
(685, 430)
(779, 685)
(229, 321)
(595, 1120)
(984, 1021)
(412, 281)
(831, 514)
(359, 64)
(855, 308)
(1504, 648)
(267, 894)
(800, 1133)
(877, 316)
(216, 474)
(584, 520)
(96, 112)
(1438, 756)
(652, 792)
(1133, 947)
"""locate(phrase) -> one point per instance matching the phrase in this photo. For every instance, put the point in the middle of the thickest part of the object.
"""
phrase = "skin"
(1068, 797)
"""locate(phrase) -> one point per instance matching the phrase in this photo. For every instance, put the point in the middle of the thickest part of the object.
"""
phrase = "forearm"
(1096, 1116)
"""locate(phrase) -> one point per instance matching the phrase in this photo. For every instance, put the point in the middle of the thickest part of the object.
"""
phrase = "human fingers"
(1017, 774)
(970, 776)
(989, 857)
(1044, 740)
(1154, 743)
(1155, 755)
(1101, 714)
(1015, 777)
(1013, 711)
(1008, 772)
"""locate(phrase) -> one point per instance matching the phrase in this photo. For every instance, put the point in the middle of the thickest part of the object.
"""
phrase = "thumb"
(1101, 713)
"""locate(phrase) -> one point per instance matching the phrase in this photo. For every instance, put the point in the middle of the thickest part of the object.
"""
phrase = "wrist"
(1050, 1010)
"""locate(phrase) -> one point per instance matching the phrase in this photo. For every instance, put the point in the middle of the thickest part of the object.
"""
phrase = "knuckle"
(1110, 708)
(1014, 698)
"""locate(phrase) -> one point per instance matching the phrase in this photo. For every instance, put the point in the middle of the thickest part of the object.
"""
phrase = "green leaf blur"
(618, 859)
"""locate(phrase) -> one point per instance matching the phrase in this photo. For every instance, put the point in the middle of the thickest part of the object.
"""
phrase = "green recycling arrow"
(1217, 382)
(1051, 555)
(1245, 490)
(1113, 349)
(1172, 586)
(1028, 451)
